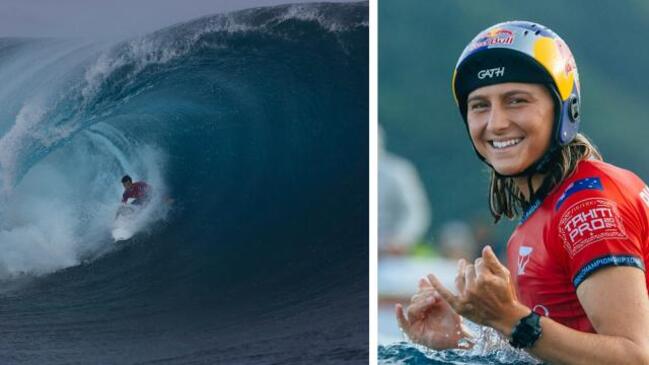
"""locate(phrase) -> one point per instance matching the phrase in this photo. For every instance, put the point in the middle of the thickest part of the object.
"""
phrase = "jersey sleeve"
(600, 223)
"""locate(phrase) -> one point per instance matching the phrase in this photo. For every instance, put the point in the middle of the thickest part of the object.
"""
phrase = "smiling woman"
(510, 124)
(582, 243)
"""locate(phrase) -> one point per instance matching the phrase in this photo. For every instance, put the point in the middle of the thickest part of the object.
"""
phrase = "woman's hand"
(431, 321)
(486, 294)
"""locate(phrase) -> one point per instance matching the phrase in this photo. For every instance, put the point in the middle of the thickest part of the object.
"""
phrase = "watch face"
(527, 331)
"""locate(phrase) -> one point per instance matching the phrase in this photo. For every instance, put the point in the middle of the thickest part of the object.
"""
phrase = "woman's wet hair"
(126, 178)
(505, 198)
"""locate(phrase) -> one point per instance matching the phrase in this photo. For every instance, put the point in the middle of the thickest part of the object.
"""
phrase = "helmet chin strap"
(539, 166)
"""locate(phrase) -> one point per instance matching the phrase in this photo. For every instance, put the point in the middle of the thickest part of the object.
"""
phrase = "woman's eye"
(517, 101)
(477, 106)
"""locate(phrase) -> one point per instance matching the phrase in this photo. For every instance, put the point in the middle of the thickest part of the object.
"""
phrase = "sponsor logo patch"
(496, 36)
(567, 56)
(590, 221)
(491, 72)
(523, 258)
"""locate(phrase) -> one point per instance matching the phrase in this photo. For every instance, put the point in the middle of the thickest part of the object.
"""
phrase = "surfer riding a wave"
(138, 191)
(126, 217)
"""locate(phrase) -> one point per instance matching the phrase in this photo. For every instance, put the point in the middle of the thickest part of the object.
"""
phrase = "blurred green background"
(419, 42)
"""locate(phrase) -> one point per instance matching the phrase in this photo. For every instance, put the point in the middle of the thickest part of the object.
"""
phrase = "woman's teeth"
(505, 144)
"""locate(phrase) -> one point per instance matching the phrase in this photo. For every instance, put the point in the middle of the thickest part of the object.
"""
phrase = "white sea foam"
(25, 127)
(63, 209)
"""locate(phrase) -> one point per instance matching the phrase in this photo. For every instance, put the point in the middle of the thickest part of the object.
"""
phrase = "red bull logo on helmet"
(493, 37)
(567, 57)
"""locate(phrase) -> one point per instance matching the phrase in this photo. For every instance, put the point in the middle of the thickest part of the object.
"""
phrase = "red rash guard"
(596, 218)
(139, 191)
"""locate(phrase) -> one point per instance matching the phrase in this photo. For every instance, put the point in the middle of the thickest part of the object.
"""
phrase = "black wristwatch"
(526, 331)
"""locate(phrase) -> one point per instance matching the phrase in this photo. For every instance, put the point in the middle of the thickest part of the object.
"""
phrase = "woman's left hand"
(486, 294)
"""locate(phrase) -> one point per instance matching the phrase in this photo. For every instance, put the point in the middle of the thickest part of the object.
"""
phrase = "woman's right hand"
(431, 321)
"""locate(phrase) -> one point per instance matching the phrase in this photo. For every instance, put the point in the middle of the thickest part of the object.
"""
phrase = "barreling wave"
(254, 123)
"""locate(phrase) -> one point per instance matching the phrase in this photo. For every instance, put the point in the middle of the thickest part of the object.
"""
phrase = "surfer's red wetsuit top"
(138, 191)
(596, 218)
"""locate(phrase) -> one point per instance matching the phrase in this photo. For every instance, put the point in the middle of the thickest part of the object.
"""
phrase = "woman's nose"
(498, 119)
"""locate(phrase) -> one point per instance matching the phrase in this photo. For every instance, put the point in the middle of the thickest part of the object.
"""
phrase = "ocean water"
(252, 128)
(406, 353)
(490, 348)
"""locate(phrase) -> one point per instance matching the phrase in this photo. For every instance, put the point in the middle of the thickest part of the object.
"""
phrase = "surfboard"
(124, 225)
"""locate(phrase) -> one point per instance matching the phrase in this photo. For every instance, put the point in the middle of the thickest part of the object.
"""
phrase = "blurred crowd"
(409, 246)
(405, 216)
